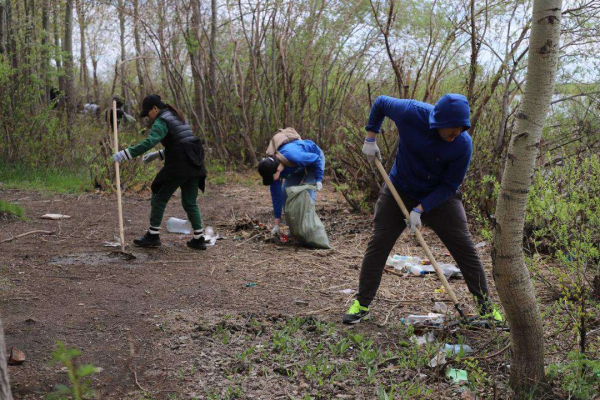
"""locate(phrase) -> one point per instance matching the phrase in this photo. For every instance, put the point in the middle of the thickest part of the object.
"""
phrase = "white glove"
(415, 220)
(149, 157)
(275, 231)
(371, 150)
(121, 156)
(319, 186)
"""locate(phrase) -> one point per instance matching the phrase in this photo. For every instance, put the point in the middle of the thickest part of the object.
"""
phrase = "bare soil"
(175, 322)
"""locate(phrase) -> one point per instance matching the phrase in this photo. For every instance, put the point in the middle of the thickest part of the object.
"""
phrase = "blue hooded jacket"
(303, 154)
(427, 168)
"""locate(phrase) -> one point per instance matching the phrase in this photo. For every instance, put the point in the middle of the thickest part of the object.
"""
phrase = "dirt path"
(186, 314)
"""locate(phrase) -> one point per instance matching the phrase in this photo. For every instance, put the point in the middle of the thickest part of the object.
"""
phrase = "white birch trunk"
(510, 273)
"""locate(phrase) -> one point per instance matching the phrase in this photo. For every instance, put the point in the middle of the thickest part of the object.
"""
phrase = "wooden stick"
(418, 234)
(26, 234)
(118, 177)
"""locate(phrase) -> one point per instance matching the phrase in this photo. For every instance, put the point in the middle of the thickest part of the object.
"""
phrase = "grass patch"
(218, 175)
(10, 210)
(44, 180)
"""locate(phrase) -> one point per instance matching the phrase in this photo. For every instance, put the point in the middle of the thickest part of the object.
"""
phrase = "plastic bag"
(301, 217)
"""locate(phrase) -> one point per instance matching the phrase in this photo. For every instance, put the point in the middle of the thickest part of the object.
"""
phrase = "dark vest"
(184, 155)
(178, 129)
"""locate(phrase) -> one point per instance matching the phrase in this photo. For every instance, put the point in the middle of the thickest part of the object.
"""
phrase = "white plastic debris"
(438, 359)
(176, 225)
(210, 236)
(480, 244)
(421, 340)
(430, 318)
(450, 270)
(440, 307)
(347, 291)
(55, 217)
(454, 349)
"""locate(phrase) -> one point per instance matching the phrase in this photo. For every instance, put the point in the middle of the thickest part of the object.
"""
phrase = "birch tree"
(510, 272)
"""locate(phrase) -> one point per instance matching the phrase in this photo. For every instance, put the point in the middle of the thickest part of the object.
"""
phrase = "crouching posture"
(293, 161)
(434, 152)
(184, 168)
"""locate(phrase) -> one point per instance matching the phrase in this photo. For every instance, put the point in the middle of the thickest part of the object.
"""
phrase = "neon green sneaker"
(355, 313)
(493, 315)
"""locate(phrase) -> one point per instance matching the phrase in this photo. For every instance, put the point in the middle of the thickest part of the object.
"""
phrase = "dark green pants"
(163, 189)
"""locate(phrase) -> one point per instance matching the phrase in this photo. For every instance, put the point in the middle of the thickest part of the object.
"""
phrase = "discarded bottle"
(176, 225)
(454, 349)
(414, 269)
(209, 232)
(399, 262)
(430, 318)
(450, 270)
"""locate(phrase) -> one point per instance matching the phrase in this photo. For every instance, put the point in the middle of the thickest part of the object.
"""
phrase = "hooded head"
(267, 167)
(451, 111)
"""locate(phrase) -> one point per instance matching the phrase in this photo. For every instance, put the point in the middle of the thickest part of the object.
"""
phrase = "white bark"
(5, 392)
(511, 275)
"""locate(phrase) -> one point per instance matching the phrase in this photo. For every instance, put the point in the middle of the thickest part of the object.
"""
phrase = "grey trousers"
(448, 221)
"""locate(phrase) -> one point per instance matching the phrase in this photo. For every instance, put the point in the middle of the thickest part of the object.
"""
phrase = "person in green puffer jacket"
(184, 168)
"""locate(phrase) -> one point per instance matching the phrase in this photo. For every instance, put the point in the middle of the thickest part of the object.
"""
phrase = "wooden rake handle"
(419, 236)
(118, 177)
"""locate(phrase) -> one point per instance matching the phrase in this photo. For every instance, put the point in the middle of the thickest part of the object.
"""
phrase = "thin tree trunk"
(124, 91)
(95, 78)
(83, 69)
(57, 46)
(2, 28)
(138, 51)
(474, 54)
(5, 392)
(45, 63)
(69, 76)
(510, 272)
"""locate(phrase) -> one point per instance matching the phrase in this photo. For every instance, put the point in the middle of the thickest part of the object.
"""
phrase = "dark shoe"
(355, 314)
(148, 240)
(199, 244)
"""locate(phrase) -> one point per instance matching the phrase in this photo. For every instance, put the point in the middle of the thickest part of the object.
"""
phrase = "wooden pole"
(118, 177)
(419, 236)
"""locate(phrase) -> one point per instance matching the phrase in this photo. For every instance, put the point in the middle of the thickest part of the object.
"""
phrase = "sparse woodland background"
(242, 69)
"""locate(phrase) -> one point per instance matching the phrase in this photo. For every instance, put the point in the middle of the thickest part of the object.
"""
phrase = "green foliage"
(579, 377)
(49, 180)
(11, 210)
(78, 375)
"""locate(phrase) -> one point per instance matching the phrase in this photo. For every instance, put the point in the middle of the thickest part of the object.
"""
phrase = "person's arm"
(452, 180)
(385, 106)
(277, 200)
(157, 133)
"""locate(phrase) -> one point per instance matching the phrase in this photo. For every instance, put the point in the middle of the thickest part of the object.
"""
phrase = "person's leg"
(162, 190)
(388, 224)
(449, 222)
(189, 195)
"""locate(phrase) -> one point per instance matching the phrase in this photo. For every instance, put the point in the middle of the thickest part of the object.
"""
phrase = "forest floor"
(244, 319)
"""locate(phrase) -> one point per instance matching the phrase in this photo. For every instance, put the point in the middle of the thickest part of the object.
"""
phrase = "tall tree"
(83, 69)
(124, 91)
(69, 74)
(138, 50)
(510, 272)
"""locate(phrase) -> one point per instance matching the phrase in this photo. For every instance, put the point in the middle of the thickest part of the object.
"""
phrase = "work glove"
(371, 150)
(121, 156)
(147, 158)
(319, 186)
(275, 231)
(414, 220)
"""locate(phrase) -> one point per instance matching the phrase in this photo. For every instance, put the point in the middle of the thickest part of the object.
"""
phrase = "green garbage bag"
(301, 217)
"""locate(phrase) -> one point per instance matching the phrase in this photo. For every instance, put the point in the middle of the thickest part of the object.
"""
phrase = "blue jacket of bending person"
(427, 168)
(307, 158)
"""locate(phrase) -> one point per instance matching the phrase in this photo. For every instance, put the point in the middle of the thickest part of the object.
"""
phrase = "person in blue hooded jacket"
(295, 163)
(434, 152)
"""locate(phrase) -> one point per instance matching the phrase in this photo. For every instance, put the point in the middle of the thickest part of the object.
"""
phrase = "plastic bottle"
(454, 349)
(414, 269)
(176, 225)
(429, 318)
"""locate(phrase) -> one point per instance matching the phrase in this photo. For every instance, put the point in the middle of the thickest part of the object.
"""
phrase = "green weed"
(44, 180)
(11, 210)
(78, 375)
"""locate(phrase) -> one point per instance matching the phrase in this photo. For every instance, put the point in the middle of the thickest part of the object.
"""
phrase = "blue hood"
(450, 111)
